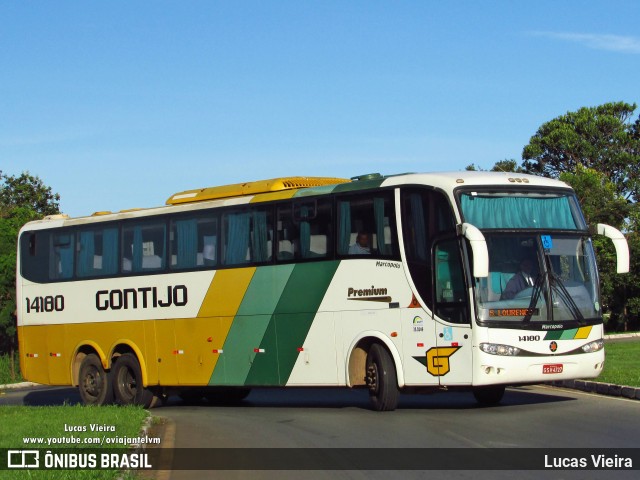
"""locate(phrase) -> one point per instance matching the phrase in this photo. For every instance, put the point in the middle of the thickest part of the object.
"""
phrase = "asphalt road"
(535, 417)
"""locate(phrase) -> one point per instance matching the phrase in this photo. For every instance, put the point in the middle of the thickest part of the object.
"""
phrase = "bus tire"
(489, 395)
(127, 382)
(94, 383)
(381, 379)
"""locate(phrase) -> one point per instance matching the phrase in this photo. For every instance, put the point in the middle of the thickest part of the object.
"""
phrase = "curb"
(615, 336)
(16, 386)
(609, 389)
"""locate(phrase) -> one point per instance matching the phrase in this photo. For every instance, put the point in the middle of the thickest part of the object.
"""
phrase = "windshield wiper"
(535, 296)
(556, 282)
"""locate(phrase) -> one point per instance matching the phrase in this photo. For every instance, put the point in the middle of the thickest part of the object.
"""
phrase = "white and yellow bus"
(409, 282)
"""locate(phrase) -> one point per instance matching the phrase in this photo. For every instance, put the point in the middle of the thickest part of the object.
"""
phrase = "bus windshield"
(526, 210)
(536, 278)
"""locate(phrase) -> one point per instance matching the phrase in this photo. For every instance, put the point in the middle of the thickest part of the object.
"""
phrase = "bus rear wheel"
(381, 379)
(94, 383)
(489, 395)
(127, 383)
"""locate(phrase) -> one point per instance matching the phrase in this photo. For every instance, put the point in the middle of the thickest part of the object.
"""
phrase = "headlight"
(594, 346)
(496, 349)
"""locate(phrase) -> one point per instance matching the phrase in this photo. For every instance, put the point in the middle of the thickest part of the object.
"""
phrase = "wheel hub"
(371, 378)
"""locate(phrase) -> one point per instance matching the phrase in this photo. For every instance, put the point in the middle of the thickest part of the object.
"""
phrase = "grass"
(20, 422)
(5, 370)
(622, 364)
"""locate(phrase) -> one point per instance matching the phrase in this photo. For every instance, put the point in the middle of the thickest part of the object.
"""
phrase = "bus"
(399, 283)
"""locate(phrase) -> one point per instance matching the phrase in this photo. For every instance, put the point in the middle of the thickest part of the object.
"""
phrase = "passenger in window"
(361, 247)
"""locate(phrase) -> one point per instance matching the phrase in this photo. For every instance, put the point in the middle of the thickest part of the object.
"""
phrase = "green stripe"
(250, 324)
(561, 334)
(553, 335)
(291, 322)
(569, 334)
(359, 185)
(308, 192)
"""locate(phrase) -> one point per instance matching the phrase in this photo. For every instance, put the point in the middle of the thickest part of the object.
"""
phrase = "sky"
(120, 104)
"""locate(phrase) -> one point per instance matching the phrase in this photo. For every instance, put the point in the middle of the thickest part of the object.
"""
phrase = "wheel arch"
(80, 352)
(355, 366)
(126, 346)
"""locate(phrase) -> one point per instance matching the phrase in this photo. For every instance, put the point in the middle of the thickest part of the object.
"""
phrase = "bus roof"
(252, 188)
(450, 180)
(290, 187)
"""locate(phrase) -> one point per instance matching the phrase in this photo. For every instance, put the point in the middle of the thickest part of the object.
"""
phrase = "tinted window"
(366, 225)
(194, 242)
(304, 230)
(143, 247)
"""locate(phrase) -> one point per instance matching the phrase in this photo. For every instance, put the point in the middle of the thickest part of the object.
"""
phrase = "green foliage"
(601, 138)
(19, 422)
(506, 165)
(27, 191)
(598, 196)
(597, 151)
(621, 366)
(9, 369)
(22, 199)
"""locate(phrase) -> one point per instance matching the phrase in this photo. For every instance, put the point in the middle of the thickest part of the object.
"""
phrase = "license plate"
(556, 368)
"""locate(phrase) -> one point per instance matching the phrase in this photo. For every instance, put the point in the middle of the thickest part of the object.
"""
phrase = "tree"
(601, 138)
(27, 191)
(600, 201)
(506, 165)
(22, 199)
(597, 151)
(602, 204)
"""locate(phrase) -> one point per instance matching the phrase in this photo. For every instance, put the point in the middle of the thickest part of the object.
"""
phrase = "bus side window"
(194, 242)
(97, 252)
(247, 237)
(313, 219)
(366, 225)
(450, 292)
(61, 256)
(143, 247)
(286, 233)
(34, 256)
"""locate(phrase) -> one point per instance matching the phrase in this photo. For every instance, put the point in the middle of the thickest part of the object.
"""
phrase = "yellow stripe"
(583, 333)
(167, 349)
(45, 340)
(226, 292)
(197, 337)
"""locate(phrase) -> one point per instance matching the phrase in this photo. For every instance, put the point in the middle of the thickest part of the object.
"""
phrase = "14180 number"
(45, 304)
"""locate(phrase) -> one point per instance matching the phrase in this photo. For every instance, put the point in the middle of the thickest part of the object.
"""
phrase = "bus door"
(451, 359)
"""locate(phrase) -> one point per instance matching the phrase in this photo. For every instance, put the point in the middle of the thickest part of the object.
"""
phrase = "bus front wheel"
(381, 379)
(94, 383)
(127, 382)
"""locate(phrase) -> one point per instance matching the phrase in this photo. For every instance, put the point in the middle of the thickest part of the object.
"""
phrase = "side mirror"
(479, 248)
(620, 244)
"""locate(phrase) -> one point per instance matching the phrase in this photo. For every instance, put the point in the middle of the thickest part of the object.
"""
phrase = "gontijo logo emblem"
(437, 360)
(438, 363)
